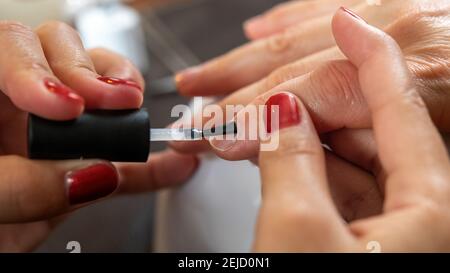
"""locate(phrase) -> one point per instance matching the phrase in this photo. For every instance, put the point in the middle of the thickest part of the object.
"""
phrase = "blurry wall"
(32, 12)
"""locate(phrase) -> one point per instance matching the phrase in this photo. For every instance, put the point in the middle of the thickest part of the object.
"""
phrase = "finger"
(111, 64)
(325, 92)
(25, 76)
(408, 143)
(283, 74)
(355, 145)
(290, 13)
(358, 146)
(247, 94)
(164, 169)
(422, 229)
(294, 186)
(36, 190)
(255, 60)
(72, 65)
(354, 191)
(25, 237)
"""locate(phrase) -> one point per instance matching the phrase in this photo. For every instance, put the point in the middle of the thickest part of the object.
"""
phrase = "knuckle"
(36, 66)
(336, 81)
(15, 28)
(73, 65)
(418, 23)
(279, 76)
(26, 195)
(279, 43)
(301, 214)
(297, 145)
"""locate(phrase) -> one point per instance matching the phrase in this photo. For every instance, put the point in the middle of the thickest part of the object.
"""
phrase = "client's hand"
(298, 213)
(421, 29)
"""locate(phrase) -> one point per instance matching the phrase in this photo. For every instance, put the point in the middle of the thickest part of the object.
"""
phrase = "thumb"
(294, 184)
(36, 190)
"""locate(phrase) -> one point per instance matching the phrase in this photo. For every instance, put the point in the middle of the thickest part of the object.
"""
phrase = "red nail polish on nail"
(62, 90)
(116, 81)
(91, 183)
(289, 114)
(354, 15)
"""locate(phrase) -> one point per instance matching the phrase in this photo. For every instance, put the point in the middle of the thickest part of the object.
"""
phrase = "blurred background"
(216, 210)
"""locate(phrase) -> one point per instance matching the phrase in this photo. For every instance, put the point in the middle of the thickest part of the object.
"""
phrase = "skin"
(22, 237)
(54, 51)
(308, 34)
(421, 30)
(296, 194)
(330, 89)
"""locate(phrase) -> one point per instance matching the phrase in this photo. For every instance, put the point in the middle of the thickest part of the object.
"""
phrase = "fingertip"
(254, 28)
(356, 38)
(185, 80)
(111, 64)
(344, 25)
(47, 98)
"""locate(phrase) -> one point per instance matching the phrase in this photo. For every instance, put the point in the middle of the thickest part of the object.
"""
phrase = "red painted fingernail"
(116, 81)
(91, 183)
(354, 15)
(62, 90)
(289, 114)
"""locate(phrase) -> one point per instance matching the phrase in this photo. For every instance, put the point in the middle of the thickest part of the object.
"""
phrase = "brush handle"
(120, 136)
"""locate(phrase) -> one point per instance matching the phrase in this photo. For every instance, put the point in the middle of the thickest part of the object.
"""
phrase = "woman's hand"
(298, 213)
(309, 33)
(48, 72)
(423, 34)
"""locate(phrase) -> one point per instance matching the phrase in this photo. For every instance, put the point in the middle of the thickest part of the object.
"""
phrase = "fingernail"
(222, 137)
(254, 24)
(289, 114)
(222, 144)
(354, 15)
(185, 79)
(62, 91)
(116, 81)
(91, 183)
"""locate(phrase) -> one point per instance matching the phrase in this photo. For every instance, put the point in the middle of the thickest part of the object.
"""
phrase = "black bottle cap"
(120, 136)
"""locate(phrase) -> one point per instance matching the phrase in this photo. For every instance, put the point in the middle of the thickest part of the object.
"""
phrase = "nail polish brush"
(121, 136)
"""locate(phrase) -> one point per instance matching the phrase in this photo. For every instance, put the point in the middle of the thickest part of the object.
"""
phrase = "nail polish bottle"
(119, 135)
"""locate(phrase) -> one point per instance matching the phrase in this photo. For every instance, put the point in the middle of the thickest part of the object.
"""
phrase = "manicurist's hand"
(298, 213)
(47, 72)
